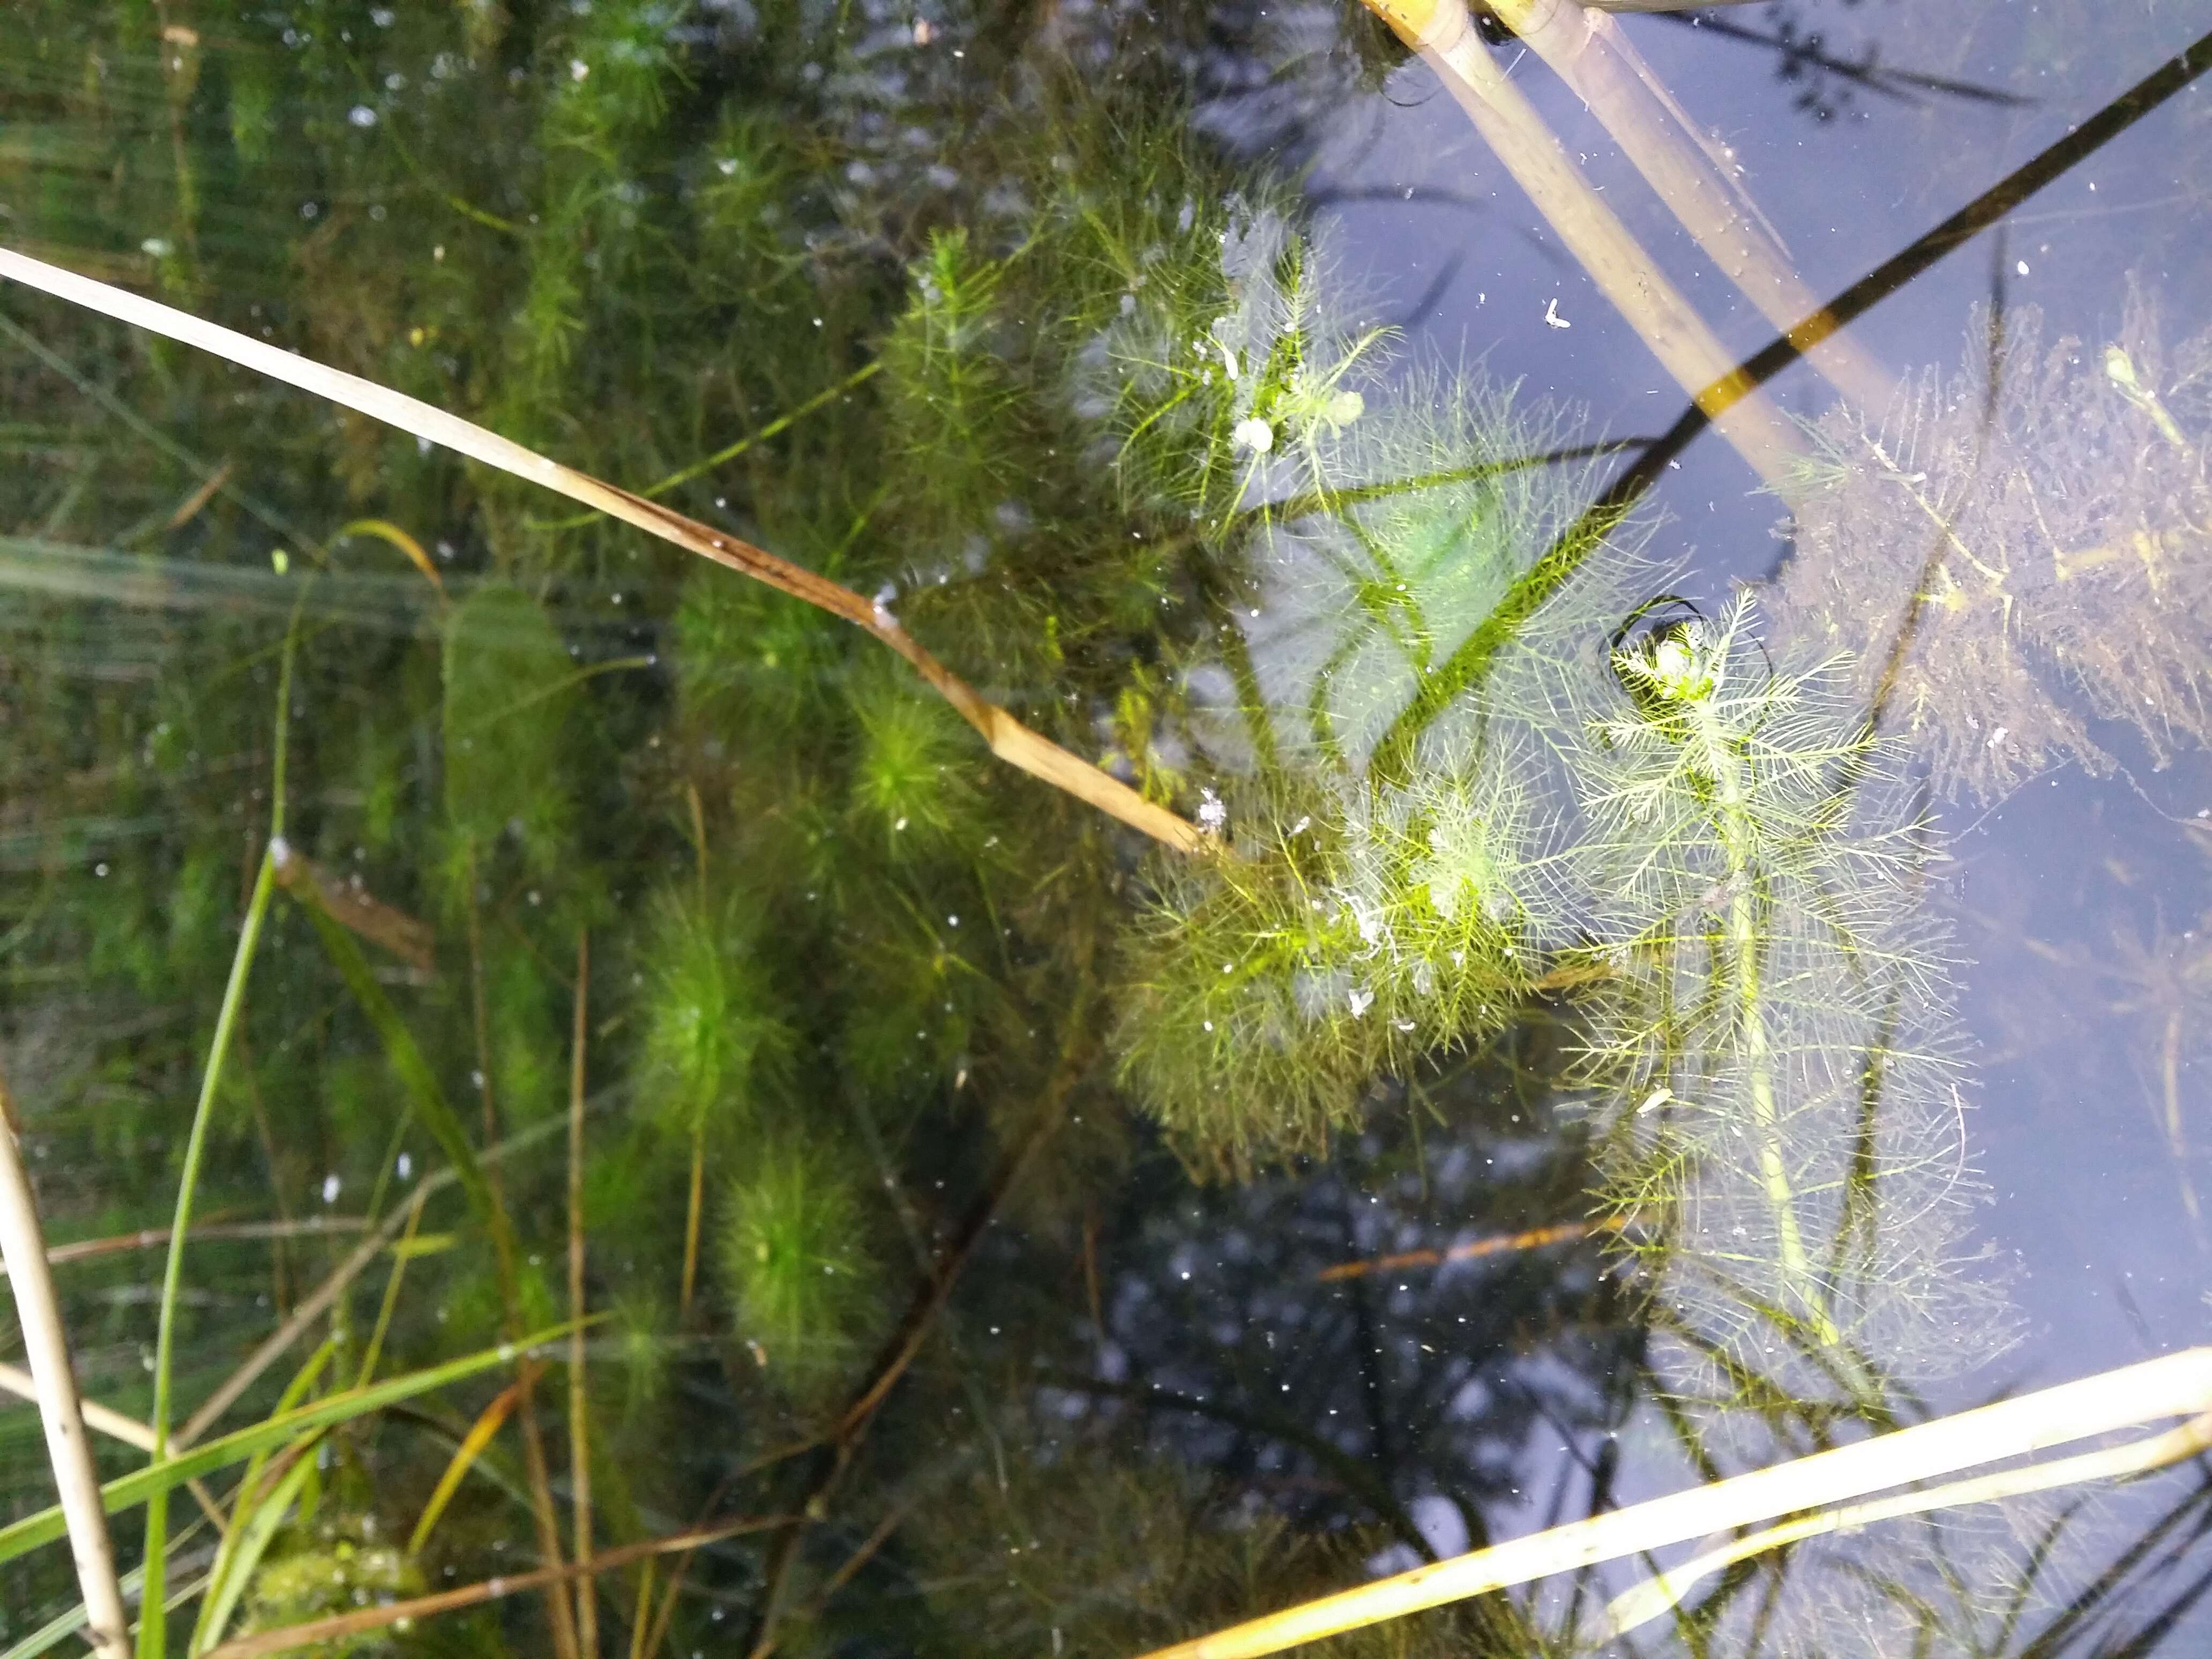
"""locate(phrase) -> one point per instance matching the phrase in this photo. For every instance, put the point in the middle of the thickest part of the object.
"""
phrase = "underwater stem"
(691, 1214)
(1738, 842)
(580, 1403)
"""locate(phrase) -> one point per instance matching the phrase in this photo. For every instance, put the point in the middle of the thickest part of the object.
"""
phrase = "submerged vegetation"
(900, 1207)
(2033, 527)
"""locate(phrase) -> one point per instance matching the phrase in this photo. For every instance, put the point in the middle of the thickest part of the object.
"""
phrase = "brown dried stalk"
(1009, 739)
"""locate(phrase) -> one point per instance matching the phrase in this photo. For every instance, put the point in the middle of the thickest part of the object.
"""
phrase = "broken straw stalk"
(2175, 1385)
(1445, 35)
(1009, 739)
(23, 1254)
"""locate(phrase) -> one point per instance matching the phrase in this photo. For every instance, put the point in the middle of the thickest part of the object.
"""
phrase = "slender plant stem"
(151, 1634)
(579, 1402)
(274, 1345)
(146, 1237)
(390, 1302)
(641, 1619)
(691, 1212)
(730, 453)
(23, 1254)
(560, 1612)
(1739, 841)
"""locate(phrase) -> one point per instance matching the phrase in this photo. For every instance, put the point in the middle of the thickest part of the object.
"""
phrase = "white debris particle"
(1252, 434)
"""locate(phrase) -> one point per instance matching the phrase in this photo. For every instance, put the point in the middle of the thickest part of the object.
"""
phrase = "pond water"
(1551, 922)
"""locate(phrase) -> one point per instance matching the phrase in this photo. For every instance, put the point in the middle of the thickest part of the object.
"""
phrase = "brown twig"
(342, 1624)
(148, 1239)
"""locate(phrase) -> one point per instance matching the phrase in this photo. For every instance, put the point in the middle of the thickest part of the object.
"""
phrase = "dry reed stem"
(23, 1253)
(2176, 1385)
(340, 1625)
(1655, 1596)
(103, 1419)
(1587, 50)
(1444, 36)
(1009, 739)
(579, 1428)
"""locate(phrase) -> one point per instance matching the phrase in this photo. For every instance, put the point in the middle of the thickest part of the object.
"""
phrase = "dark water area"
(1529, 951)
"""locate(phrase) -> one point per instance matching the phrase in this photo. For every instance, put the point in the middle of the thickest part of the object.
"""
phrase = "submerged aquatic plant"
(714, 1034)
(1782, 1105)
(1267, 989)
(1355, 923)
(805, 1288)
(2036, 527)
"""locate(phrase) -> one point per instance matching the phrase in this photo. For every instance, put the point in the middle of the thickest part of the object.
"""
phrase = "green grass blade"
(406, 1056)
(242, 1554)
(141, 1484)
(152, 1633)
